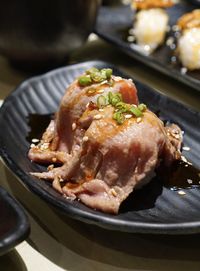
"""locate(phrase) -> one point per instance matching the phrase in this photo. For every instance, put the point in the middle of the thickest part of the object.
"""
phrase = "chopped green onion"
(122, 107)
(92, 70)
(114, 98)
(135, 111)
(119, 117)
(97, 77)
(110, 95)
(106, 73)
(109, 73)
(110, 82)
(101, 101)
(103, 74)
(142, 107)
(84, 80)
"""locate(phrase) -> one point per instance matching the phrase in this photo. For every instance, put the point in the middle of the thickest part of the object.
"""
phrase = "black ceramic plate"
(113, 24)
(14, 225)
(154, 209)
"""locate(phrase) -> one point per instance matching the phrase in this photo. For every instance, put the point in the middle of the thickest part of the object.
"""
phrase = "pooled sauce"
(38, 124)
(182, 175)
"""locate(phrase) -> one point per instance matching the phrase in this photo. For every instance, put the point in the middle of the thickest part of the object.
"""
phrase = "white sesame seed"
(170, 41)
(138, 120)
(97, 117)
(183, 70)
(73, 126)
(50, 167)
(102, 83)
(32, 145)
(176, 136)
(131, 38)
(114, 193)
(85, 138)
(147, 48)
(100, 91)
(87, 105)
(175, 28)
(128, 116)
(183, 159)
(189, 181)
(117, 78)
(44, 146)
(186, 148)
(101, 110)
(181, 192)
(35, 140)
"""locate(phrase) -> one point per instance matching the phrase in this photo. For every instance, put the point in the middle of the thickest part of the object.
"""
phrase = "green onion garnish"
(135, 111)
(101, 101)
(84, 80)
(119, 117)
(121, 106)
(92, 70)
(113, 99)
(108, 73)
(142, 107)
(94, 75)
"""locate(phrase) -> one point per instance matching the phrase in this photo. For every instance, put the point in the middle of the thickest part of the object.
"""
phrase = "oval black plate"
(154, 209)
(113, 24)
(14, 225)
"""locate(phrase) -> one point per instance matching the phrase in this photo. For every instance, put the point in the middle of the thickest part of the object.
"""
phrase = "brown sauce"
(181, 176)
(38, 124)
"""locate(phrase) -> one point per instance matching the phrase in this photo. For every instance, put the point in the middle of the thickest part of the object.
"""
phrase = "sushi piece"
(151, 23)
(188, 46)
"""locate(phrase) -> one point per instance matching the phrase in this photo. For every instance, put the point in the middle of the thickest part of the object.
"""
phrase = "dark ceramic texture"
(113, 24)
(154, 209)
(45, 31)
(14, 225)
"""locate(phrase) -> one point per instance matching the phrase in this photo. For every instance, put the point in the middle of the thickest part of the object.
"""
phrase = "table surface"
(59, 243)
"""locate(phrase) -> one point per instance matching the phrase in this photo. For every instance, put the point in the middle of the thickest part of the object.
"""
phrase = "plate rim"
(21, 230)
(83, 215)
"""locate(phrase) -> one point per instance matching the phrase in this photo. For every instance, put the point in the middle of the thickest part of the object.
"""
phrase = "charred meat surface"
(105, 143)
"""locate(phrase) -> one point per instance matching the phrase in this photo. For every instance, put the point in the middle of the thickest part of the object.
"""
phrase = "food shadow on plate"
(143, 198)
(36, 131)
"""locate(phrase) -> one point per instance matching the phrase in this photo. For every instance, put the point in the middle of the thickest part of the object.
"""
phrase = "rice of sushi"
(189, 48)
(150, 28)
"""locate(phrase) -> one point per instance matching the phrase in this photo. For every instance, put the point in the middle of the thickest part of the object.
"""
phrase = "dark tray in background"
(14, 225)
(113, 24)
(153, 209)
